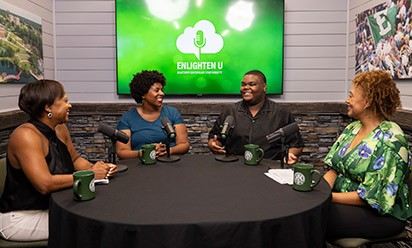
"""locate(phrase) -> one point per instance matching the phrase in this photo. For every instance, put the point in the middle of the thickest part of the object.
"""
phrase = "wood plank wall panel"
(314, 63)
(315, 51)
(44, 9)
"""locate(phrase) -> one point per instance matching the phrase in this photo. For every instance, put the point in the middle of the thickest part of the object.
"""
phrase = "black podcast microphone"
(283, 132)
(224, 134)
(227, 125)
(170, 133)
(167, 126)
(113, 134)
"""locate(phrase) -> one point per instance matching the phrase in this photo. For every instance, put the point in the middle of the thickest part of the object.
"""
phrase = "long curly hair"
(142, 81)
(380, 91)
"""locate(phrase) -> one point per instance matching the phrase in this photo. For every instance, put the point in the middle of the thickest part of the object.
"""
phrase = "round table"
(195, 202)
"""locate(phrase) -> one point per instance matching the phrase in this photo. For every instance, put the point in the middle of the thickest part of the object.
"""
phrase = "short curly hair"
(257, 73)
(35, 96)
(142, 81)
(380, 91)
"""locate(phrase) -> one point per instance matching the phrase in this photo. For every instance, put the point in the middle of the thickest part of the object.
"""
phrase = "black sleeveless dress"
(19, 193)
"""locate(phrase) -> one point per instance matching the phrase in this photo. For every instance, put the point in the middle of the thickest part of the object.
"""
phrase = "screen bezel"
(235, 91)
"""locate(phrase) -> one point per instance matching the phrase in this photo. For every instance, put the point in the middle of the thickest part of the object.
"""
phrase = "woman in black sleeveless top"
(40, 159)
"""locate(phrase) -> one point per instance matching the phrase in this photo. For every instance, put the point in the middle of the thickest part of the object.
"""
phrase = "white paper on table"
(101, 181)
(282, 176)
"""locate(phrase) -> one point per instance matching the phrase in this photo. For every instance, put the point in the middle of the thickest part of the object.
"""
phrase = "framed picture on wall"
(383, 39)
(21, 45)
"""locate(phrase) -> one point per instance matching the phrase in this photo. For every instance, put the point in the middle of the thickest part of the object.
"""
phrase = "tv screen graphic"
(203, 47)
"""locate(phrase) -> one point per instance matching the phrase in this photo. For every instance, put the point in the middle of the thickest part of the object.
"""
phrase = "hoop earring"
(49, 115)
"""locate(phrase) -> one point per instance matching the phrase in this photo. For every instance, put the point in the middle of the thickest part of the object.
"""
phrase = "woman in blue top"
(143, 123)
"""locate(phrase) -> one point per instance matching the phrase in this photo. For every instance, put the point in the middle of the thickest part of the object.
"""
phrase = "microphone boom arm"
(281, 134)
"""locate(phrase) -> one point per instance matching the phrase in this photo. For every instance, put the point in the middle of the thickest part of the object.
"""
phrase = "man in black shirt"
(255, 117)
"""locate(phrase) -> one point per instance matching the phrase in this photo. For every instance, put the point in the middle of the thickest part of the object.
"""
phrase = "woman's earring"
(50, 115)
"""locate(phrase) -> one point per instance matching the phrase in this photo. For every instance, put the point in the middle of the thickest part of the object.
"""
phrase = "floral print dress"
(377, 168)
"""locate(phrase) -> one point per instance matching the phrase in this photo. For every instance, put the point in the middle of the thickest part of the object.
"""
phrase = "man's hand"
(215, 146)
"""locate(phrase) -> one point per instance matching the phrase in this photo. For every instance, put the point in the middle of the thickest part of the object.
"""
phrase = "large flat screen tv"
(203, 47)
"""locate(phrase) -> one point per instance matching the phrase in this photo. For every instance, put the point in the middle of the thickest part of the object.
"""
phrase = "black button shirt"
(253, 130)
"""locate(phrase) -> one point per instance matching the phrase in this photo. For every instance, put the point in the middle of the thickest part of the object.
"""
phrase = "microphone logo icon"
(199, 40)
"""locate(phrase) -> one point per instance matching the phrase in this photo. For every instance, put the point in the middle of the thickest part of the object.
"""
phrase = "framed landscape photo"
(21, 45)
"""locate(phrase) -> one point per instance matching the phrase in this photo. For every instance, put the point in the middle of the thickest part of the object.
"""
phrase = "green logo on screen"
(200, 39)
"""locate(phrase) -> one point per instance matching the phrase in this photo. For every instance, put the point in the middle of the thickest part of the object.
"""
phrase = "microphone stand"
(168, 158)
(112, 154)
(227, 157)
(112, 157)
(284, 153)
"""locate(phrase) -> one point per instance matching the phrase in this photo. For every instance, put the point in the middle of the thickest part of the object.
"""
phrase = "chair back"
(3, 173)
(409, 183)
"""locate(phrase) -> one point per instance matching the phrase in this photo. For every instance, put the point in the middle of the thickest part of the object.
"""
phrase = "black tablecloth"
(195, 202)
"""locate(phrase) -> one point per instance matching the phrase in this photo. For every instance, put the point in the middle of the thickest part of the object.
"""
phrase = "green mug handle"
(76, 186)
(140, 153)
(318, 180)
(261, 154)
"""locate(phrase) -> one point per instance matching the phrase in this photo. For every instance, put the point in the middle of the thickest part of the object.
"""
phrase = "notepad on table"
(282, 176)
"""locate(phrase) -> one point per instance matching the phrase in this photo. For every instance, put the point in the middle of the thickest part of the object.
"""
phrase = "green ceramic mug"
(253, 154)
(83, 185)
(303, 177)
(148, 154)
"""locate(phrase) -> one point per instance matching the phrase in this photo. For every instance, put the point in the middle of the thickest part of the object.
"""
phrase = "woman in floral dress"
(369, 164)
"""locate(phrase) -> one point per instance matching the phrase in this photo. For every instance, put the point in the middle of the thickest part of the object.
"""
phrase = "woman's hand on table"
(103, 170)
(160, 149)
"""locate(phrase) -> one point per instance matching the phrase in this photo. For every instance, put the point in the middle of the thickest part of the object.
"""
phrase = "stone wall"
(319, 131)
(319, 123)
(319, 128)
(95, 146)
(8, 122)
